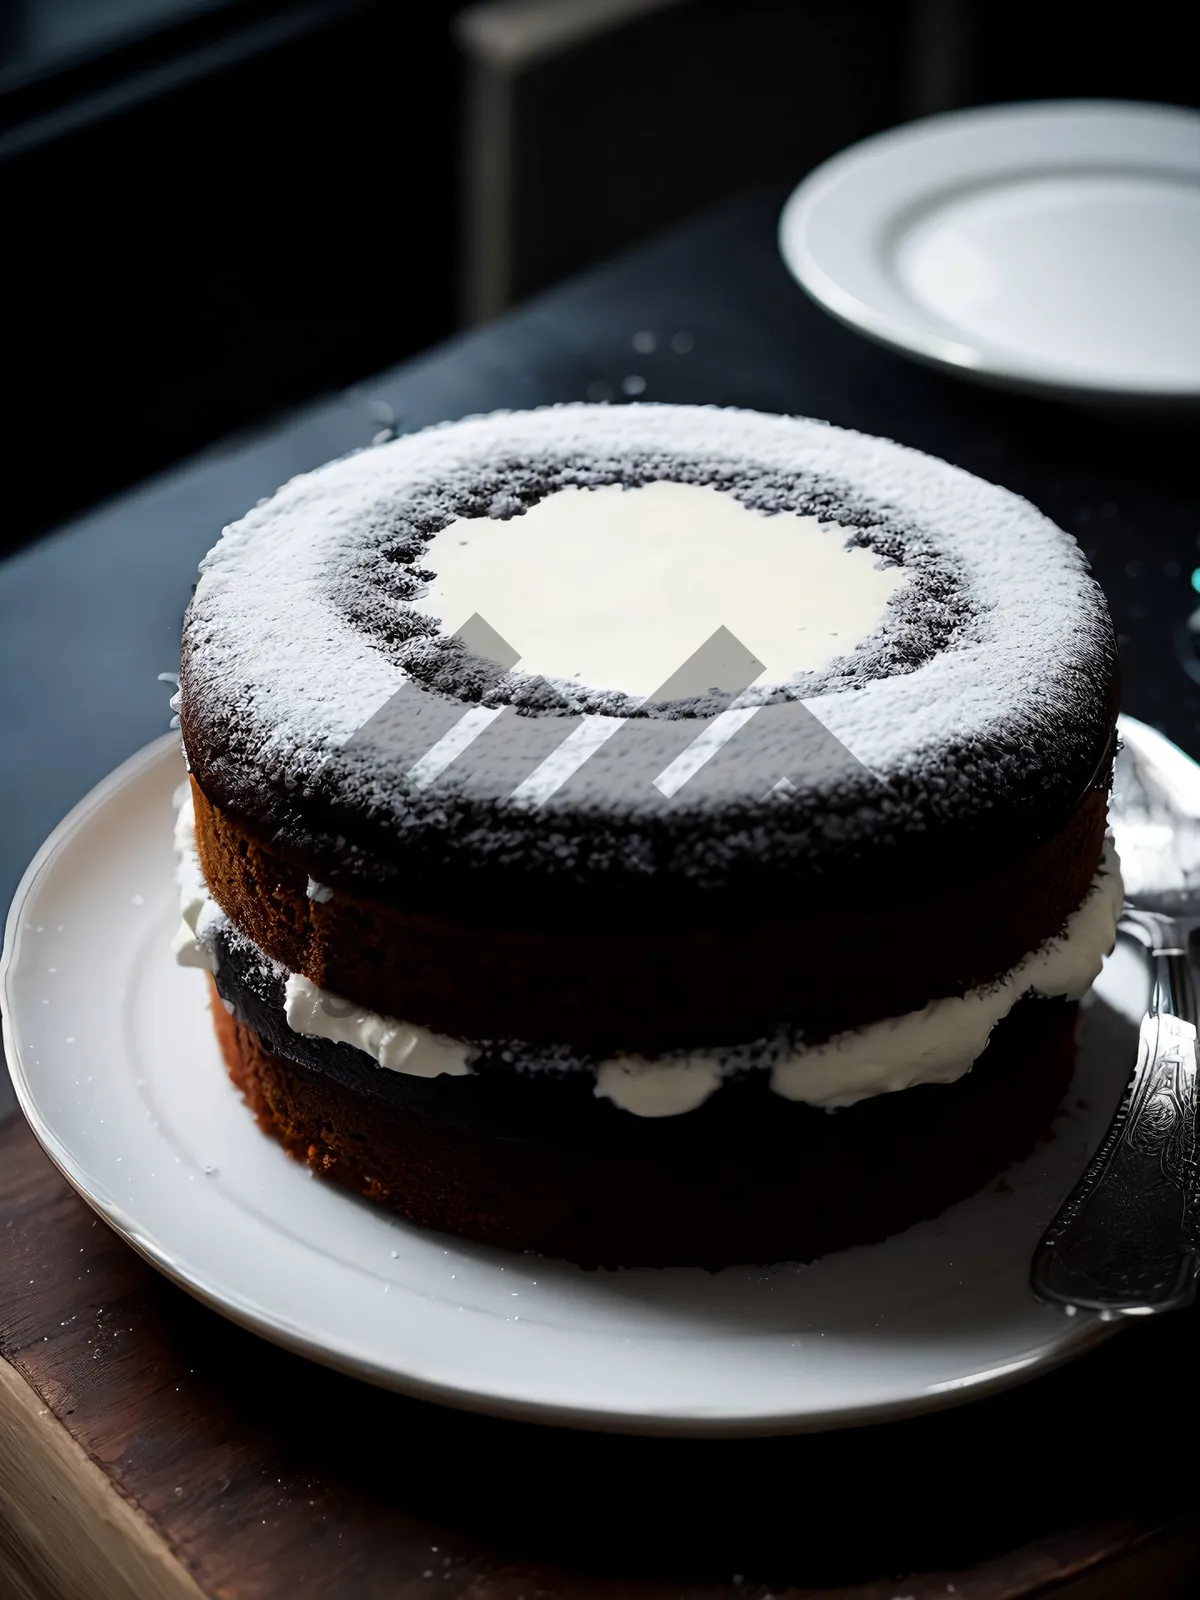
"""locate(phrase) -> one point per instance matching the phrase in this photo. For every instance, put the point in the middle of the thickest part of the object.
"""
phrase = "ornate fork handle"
(1125, 1241)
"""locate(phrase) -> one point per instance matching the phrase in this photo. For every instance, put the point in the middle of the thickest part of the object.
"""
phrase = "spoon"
(1125, 1242)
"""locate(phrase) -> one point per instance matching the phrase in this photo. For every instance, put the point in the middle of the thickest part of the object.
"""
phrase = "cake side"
(733, 1187)
(624, 983)
(936, 1042)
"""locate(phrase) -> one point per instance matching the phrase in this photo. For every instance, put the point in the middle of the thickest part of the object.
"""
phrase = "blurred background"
(216, 210)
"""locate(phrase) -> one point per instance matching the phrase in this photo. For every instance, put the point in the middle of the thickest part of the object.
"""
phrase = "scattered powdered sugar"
(988, 681)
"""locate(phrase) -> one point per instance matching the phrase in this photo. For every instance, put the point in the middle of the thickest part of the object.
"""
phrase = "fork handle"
(1125, 1240)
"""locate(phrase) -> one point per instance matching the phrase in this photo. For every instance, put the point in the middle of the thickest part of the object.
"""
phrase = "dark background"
(216, 210)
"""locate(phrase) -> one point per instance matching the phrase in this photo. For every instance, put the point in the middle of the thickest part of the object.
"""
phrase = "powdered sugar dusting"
(989, 682)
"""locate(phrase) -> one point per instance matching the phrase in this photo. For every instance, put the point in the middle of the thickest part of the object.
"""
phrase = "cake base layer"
(725, 1186)
(629, 985)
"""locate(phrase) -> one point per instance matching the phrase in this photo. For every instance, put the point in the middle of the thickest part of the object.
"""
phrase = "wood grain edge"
(65, 1532)
(1166, 1567)
(1156, 1564)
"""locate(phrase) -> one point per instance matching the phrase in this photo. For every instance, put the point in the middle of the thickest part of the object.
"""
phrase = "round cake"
(649, 835)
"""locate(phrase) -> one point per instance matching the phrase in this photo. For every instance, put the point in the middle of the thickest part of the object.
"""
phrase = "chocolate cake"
(648, 834)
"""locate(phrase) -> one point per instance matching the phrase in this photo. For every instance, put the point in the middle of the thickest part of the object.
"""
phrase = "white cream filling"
(199, 915)
(936, 1044)
(399, 1046)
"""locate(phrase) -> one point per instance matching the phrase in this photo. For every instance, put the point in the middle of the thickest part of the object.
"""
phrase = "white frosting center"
(936, 1044)
(615, 588)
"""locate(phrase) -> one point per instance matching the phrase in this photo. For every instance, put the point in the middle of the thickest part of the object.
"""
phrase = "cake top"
(650, 641)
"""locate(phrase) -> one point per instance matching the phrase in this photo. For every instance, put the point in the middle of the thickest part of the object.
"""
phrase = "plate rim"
(1078, 1336)
(962, 357)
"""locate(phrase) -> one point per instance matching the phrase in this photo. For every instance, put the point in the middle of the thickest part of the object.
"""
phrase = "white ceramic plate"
(1051, 247)
(116, 1068)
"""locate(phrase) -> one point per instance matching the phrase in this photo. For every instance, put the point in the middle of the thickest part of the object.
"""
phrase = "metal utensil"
(1125, 1242)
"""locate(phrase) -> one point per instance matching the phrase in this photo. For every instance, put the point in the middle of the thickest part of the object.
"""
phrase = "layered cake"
(648, 835)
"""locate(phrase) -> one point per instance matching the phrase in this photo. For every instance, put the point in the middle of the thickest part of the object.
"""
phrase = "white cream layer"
(199, 916)
(399, 1046)
(614, 588)
(937, 1044)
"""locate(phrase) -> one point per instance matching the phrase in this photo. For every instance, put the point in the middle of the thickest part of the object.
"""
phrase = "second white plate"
(114, 1061)
(1052, 247)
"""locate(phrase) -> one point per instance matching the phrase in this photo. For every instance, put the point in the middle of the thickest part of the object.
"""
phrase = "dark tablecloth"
(90, 615)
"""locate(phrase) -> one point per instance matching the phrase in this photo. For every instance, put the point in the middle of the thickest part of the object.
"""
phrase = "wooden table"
(151, 1451)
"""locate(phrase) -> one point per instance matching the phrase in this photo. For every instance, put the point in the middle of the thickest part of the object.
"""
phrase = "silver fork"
(1125, 1242)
